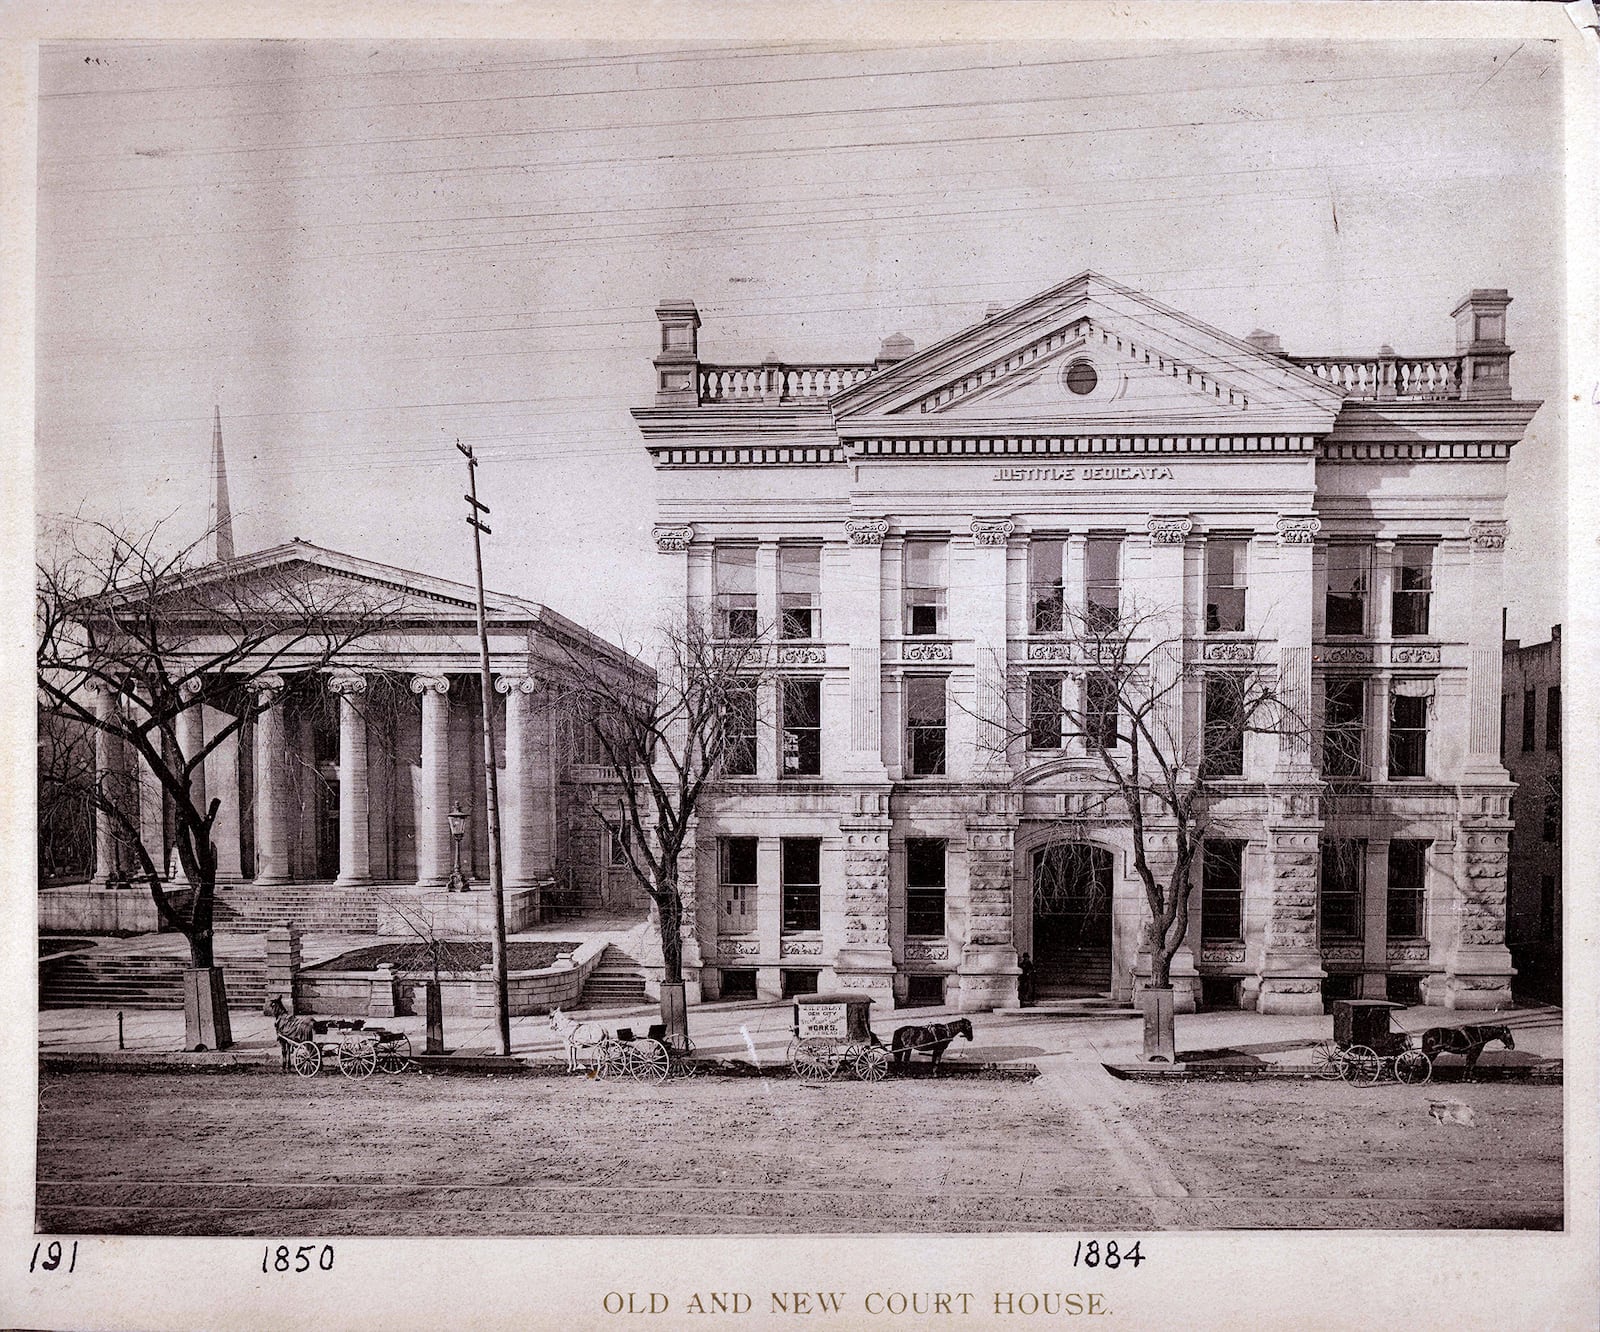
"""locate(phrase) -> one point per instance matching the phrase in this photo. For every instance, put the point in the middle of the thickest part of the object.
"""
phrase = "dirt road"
(253, 1154)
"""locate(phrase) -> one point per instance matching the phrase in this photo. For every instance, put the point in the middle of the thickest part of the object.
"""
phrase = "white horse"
(576, 1036)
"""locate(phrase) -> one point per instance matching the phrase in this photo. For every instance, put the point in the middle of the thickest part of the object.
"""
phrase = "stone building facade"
(1531, 750)
(335, 800)
(913, 530)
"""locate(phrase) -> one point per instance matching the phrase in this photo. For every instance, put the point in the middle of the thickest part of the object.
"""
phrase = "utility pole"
(502, 1009)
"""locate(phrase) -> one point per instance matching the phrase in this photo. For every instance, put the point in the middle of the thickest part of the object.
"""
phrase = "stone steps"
(310, 907)
(617, 981)
(84, 980)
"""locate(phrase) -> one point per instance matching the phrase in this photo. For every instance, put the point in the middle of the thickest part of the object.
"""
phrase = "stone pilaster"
(689, 928)
(1169, 535)
(987, 975)
(191, 731)
(354, 853)
(1482, 765)
(283, 963)
(272, 814)
(860, 611)
(433, 829)
(525, 829)
(985, 614)
(864, 962)
(1291, 965)
(108, 777)
(1161, 852)
(1478, 967)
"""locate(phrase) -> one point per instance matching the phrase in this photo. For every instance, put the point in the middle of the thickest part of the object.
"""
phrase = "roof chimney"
(896, 347)
(1263, 341)
(1481, 343)
(678, 367)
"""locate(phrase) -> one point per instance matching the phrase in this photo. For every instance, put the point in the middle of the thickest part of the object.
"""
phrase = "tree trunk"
(670, 910)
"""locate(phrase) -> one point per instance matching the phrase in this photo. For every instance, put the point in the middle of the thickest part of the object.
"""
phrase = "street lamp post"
(457, 818)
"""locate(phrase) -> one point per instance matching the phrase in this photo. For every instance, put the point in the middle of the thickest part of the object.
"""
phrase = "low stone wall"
(380, 993)
(86, 910)
(468, 915)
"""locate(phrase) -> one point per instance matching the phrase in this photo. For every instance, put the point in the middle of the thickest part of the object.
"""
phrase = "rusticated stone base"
(987, 978)
(1292, 988)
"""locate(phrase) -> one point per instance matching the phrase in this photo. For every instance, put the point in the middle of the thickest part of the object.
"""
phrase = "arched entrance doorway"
(1071, 920)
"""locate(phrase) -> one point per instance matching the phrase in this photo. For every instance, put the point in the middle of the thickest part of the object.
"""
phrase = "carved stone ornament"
(927, 652)
(670, 538)
(992, 531)
(349, 683)
(864, 982)
(866, 531)
(269, 686)
(1222, 953)
(1343, 952)
(1489, 533)
(189, 689)
(800, 948)
(1361, 656)
(927, 952)
(1298, 529)
(1414, 656)
(740, 948)
(519, 684)
(422, 684)
(801, 656)
(1049, 651)
(1230, 651)
(1168, 530)
(1407, 952)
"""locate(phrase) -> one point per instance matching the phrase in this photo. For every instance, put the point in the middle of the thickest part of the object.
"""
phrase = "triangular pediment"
(1090, 356)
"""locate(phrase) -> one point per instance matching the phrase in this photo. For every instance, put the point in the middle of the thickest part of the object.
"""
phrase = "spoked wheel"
(872, 1064)
(811, 1059)
(358, 1059)
(1329, 1061)
(1413, 1067)
(1362, 1065)
(650, 1061)
(611, 1058)
(305, 1059)
(395, 1056)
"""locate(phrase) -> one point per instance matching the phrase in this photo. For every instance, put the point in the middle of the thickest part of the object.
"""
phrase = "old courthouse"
(917, 531)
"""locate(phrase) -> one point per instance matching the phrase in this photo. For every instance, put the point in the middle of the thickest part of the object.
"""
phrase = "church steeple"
(220, 527)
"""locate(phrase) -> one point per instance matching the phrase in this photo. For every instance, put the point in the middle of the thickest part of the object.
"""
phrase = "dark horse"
(932, 1040)
(1468, 1041)
(291, 1030)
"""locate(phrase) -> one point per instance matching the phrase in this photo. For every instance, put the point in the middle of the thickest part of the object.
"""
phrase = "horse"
(1468, 1041)
(931, 1040)
(576, 1036)
(292, 1030)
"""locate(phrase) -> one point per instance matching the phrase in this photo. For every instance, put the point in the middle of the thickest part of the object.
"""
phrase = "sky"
(364, 252)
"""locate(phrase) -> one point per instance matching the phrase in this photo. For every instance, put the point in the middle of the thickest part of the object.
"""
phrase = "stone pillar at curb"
(283, 963)
(380, 997)
(987, 975)
(434, 856)
(864, 963)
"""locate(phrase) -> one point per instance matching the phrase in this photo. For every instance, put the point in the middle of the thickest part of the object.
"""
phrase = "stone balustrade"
(1388, 378)
(777, 383)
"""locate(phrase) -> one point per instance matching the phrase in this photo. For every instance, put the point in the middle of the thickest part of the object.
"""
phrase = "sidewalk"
(759, 1033)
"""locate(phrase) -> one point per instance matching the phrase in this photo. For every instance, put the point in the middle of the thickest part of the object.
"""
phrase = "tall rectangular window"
(926, 570)
(1100, 714)
(925, 724)
(800, 591)
(737, 872)
(1344, 725)
(801, 863)
(1045, 591)
(739, 731)
(1552, 717)
(1413, 589)
(1551, 831)
(802, 727)
(1044, 711)
(1224, 726)
(734, 576)
(1102, 582)
(925, 887)
(1408, 881)
(1225, 585)
(1222, 891)
(1530, 718)
(1547, 906)
(1408, 736)
(1344, 876)
(1349, 578)
(619, 847)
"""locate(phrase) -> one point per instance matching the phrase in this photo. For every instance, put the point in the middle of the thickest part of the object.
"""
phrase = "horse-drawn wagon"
(1364, 1050)
(348, 1044)
(833, 1035)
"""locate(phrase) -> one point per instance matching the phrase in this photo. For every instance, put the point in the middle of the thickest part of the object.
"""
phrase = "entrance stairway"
(316, 907)
(617, 981)
(97, 979)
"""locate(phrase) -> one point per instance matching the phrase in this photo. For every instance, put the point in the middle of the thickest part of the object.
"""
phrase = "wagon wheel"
(305, 1058)
(872, 1064)
(1329, 1061)
(358, 1059)
(395, 1056)
(1413, 1067)
(611, 1058)
(812, 1059)
(1362, 1065)
(650, 1061)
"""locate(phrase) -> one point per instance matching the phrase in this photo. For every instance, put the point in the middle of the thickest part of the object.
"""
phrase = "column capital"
(866, 531)
(1298, 529)
(1168, 529)
(518, 684)
(430, 684)
(1487, 533)
(191, 689)
(992, 531)
(271, 683)
(347, 682)
(672, 538)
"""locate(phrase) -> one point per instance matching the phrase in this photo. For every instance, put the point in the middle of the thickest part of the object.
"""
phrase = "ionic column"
(433, 829)
(527, 827)
(1295, 596)
(106, 777)
(859, 610)
(1169, 535)
(191, 729)
(986, 620)
(152, 810)
(272, 822)
(354, 853)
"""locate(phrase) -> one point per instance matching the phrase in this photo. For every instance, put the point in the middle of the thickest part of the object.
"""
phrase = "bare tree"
(666, 738)
(131, 634)
(1115, 709)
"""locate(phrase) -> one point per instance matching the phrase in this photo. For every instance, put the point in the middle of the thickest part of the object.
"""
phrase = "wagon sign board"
(820, 1020)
